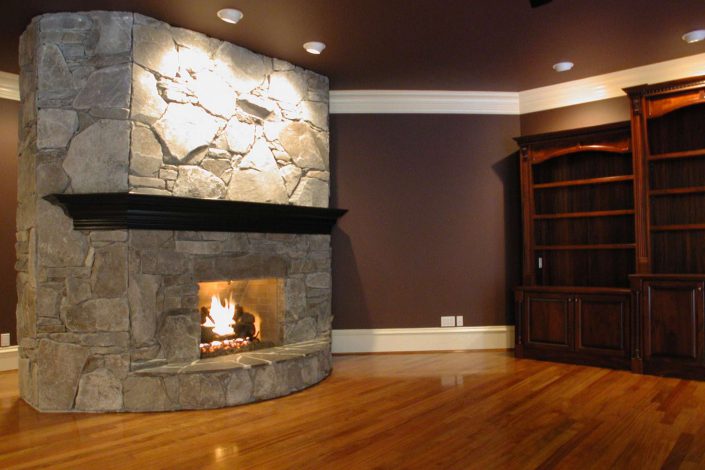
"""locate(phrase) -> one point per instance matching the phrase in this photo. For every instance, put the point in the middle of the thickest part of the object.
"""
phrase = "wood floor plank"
(469, 410)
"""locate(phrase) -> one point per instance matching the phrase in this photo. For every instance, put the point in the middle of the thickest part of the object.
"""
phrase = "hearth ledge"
(246, 360)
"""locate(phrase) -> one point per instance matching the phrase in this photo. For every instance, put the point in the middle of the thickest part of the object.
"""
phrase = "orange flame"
(221, 317)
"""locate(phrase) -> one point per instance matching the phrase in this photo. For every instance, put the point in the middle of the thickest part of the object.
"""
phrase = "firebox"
(240, 315)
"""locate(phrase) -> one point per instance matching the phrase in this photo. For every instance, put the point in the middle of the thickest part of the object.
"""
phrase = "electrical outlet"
(448, 321)
(4, 340)
(459, 320)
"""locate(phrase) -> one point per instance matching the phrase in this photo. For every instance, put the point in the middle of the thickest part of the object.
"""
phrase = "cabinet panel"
(602, 324)
(673, 320)
(547, 320)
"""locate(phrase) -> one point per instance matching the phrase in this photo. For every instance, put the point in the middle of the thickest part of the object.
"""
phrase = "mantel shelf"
(113, 211)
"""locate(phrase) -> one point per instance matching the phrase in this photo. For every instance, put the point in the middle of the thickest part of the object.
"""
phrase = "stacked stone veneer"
(117, 102)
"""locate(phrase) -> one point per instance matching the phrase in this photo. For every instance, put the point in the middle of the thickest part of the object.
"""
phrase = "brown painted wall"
(433, 226)
(8, 202)
(573, 117)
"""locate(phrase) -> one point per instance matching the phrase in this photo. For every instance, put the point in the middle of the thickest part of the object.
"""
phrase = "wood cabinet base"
(589, 326)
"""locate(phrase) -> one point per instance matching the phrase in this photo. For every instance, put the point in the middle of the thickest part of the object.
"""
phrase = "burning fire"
(221, 317)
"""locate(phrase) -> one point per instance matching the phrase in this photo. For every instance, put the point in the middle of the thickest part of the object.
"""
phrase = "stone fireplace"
(116, 304)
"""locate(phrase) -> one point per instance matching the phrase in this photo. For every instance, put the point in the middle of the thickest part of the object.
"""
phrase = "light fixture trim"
(563, 66)
(314, 47)
(230, 15)
(696, 35)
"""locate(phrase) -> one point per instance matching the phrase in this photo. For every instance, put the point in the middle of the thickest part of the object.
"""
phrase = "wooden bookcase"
(668, 125)
(614, 238)
(578, 209)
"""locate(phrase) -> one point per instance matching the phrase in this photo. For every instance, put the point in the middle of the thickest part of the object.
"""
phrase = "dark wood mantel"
(112, 211)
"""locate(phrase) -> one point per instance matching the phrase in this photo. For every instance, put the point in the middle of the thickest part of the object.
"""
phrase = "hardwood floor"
(469, 410)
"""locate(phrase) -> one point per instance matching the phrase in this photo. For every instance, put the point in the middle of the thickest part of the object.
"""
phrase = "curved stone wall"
(116, 102)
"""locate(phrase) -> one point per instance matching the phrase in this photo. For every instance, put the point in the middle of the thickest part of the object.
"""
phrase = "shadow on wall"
(347, 277)
(507, 170)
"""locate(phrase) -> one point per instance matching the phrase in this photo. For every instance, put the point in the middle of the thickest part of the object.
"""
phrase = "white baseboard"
(8, 358)
(386, 340)
(423, 339)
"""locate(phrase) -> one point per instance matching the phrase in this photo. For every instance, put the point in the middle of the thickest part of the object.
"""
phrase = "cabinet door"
(673, 321)
(602, 324)
(548, 321)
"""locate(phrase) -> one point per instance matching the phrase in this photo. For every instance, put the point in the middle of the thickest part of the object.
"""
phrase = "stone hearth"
(108, 319)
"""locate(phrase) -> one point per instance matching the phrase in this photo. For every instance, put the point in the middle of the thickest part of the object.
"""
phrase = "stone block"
(213, 94)
(171, 128)
(145, 394)
(300, 142)
(58, 244)
(48, 299)
(256, 106)
(301, 330)
(147, 105)
(98, 315)
(97, 160)
(256, 186)
(240, 388)
(240, 136)
(319, 280)
(154, 49)
(311, 192)
(54, 78)
(292, 176)
(109, 273)
(289, 86)
(200, 391)
(151, 239)
(143, 297)
(194, 181)
(180, 335)
(114, 32)
(55, 127)
(259, 158)
(146, 182)
(152, 191)
(59, 367)
(51, 178)
(64, 22)
(108, 87)
(216, 166)
(316, 113)
(265, 383)
(198, 247)
(99, 390)
(240, 68)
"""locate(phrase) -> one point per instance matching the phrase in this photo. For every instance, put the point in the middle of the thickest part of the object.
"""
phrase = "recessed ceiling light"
(694, 36)
(563, 66)
(230, 15)
(314, 47)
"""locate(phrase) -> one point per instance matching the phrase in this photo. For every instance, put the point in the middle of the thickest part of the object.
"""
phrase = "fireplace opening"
(240, 315)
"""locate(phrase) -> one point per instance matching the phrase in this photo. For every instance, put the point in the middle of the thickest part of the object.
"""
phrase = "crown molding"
(9, 86)
(609, 85)
(586, 90)
(423, 102)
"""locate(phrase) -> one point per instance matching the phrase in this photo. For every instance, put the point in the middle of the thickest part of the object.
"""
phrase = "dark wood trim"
(113, 211)
(574, 289)
(676, 227)
(682, 84)
(572, 134)
(580, 215)
(670, 155)
(601, 180)
(604, 246)
(671, 191)
(541, 156)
